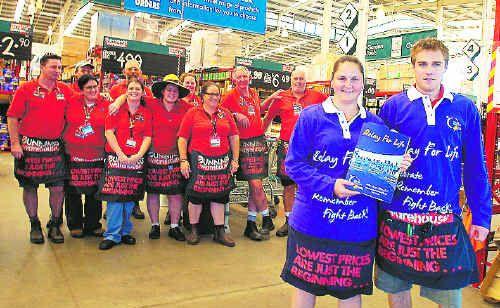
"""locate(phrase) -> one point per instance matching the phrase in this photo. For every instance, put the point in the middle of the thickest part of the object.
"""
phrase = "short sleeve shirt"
(250, 107)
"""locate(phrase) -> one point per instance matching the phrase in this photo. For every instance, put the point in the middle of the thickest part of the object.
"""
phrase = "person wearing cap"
(81, 68)
(210, 136)
(128, 134)
(244, 104)
(188, 80)
(163, 163)
(84, 145)
(132, 69)
(36, 121)
(288, 105)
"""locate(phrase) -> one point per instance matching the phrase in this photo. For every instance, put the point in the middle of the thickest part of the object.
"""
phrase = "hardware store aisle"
(160, 273)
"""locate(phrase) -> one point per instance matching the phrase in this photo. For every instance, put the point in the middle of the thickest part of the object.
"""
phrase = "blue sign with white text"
(244, 15)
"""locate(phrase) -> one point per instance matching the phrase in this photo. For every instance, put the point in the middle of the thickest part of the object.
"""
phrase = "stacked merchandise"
(395, 77)
(4, 134)
(214, 49)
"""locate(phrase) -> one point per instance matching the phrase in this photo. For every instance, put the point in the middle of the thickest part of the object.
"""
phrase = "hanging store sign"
(247, 15)
(472, 49)
(154, 59)
(395, 46)
(349, 16)
(15, 40)
(471, 70)
(267, 74)
(348, 43)
(370, 88)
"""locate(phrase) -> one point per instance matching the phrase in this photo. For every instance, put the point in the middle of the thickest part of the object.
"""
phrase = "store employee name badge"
(251, 110)
(131, 143)
(84, 131)
(297, 109)
(60, 96)
(214, 141)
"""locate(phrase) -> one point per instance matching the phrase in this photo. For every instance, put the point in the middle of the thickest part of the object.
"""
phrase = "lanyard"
(87, 110)
(213, 121)
(131, 120)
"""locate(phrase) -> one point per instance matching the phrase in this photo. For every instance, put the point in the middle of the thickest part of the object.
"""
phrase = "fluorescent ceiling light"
(19, 10)
(78, 17)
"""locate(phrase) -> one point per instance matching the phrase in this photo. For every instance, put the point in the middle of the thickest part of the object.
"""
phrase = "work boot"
(154, 234)
(53, 232)
(252, 232)
(267, 225)
(137, 213)
(36, 235)
(221, 237)
(176, 234)
(283, 230)
(193, 238)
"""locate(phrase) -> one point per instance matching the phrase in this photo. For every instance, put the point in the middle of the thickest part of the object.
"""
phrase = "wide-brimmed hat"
(158, 87)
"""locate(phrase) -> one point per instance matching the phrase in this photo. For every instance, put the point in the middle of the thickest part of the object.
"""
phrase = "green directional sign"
(380, 48)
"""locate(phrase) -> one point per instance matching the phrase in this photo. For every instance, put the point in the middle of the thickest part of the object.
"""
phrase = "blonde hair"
(429, 43)
(240, 68)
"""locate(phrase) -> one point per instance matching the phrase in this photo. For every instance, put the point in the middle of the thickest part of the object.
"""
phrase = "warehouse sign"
(154, 59)
(395, 46)
(15, 40)
(244, 15)
(267, 74)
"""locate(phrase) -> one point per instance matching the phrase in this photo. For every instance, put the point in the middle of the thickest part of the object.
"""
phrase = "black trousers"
(75, 211)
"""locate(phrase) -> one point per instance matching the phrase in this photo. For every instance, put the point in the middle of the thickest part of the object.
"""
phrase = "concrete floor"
(160, 273)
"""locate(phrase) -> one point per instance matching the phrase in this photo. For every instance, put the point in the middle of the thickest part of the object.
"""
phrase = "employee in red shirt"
(210, 136)
(81, 68)
(132, 70)
(288, 105)
(164, 174)
(84, 144)
(188, 80)
(128, 135)
(36, 121)
(244, 104)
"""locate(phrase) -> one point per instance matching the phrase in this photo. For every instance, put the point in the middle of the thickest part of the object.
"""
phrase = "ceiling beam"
(58, 20)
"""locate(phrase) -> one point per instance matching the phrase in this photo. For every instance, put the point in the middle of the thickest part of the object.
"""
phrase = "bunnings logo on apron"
(254, 159)
(121, 182)
(42, 161)
(164, 174)
(211, 176)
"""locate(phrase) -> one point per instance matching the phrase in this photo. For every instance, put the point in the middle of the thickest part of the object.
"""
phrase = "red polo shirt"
(193, 100)
(92, 146)
(197, 128)
(120, 122)
(289, 108)
(41, 113)
(237, 103)
(75, 88)
(166, 124)
(121, 88)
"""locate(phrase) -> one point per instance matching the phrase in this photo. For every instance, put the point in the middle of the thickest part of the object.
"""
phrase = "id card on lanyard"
(250, 105)
(214, 138)
(130, 141)
(86, 129)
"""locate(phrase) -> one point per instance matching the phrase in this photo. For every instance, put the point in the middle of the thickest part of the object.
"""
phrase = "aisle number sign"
(244, 15)
(349, 16)
(15, 41)
(394, 46)
(472, 49)
(267, 74)
(471, 70)
(154, 59)
(348, 43)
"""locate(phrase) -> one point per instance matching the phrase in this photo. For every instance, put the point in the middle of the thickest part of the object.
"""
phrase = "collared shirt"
(193, 100)
(330, 107)
(288, 108)
(121, 88)
(129, 127)
(40, 111)
(92, 146)
(197, 127)
(166, 124)
(443, 138)
(248, 106)
(318, 155)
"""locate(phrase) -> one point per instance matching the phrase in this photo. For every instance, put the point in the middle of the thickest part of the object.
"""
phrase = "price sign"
(16, 44)
(349, 16)
(154, 59)
(471, 70)
(472, 49)
(370, 88)
(267, 79)
(348, 43)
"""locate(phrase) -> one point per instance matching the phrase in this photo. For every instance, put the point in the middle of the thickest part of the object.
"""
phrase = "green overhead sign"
(398, 46)
(262, 64)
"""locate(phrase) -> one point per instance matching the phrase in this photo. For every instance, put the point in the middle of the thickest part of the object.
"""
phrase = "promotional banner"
(154, 59)
(247, 15)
